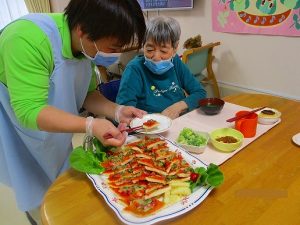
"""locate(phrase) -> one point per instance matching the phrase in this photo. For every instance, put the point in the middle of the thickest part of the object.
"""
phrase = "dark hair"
(121, 19)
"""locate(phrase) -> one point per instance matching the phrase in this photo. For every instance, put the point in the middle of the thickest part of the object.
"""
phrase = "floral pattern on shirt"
(173, 88)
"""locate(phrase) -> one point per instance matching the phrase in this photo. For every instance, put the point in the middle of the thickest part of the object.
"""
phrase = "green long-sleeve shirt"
(26, 64)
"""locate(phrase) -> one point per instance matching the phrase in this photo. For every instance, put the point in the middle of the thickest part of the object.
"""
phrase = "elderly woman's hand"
(175, 110)
(125, 114)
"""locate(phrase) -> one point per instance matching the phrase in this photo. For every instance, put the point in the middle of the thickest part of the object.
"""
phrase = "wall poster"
(271, 17)
(166, 4)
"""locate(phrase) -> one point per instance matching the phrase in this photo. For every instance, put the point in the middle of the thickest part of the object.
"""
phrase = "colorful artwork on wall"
(271, 17)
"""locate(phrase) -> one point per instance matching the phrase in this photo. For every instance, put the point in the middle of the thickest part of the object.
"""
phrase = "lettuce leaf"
(208, 176)
(100, 149)
(215, 177)
(87, 161)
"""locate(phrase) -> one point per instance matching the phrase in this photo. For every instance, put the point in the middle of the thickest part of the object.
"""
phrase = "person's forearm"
(52, 119)
(99, 105)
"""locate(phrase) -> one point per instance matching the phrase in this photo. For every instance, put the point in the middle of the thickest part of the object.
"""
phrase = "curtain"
(11, 10)
(38, 6)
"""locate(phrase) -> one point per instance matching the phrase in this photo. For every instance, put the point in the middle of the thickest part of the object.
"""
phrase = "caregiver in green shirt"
(26, 63)
(46, 64)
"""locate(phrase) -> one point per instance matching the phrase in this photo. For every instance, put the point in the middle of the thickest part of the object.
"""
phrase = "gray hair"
(162, 30)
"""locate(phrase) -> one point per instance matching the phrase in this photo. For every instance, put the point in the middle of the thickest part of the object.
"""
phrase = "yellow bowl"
(223, 132)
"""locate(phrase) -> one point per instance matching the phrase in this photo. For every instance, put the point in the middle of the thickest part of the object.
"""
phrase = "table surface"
(261, 182)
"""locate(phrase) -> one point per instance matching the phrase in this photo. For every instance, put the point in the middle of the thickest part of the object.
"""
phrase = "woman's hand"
(103, 127)
(125, 114)
(175, 110)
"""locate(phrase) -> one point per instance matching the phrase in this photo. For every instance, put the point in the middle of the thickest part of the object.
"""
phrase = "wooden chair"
(199, 59)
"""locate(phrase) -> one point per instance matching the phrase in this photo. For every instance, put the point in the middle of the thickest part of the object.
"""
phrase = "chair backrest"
(197, 59)
(107, 83)
(110, 89)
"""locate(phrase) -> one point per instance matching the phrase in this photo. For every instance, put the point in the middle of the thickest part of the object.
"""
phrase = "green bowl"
(226, 147)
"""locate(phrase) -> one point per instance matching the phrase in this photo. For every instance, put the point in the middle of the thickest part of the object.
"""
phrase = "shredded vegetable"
(190, 137)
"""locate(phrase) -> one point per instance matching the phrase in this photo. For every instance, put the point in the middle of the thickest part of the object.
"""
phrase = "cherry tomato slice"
(194, 177)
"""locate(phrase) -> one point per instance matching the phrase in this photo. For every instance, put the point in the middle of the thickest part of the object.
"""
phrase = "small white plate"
(296, 139)
(164, 123)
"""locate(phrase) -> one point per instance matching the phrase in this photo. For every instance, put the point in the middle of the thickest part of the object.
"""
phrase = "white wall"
(258, 63)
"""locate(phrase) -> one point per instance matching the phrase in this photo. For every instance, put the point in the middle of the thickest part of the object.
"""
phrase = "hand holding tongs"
(128, 130)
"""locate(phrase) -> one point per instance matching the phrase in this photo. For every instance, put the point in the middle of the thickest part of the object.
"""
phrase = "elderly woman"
(158, 81)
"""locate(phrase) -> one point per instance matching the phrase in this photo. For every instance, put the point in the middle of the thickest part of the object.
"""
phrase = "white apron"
(30, 160)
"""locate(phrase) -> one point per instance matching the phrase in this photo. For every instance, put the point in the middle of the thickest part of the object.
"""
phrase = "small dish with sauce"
(226, 139)
(268, 116)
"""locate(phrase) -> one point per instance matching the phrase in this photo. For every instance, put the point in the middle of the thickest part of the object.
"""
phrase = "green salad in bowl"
(193, 141)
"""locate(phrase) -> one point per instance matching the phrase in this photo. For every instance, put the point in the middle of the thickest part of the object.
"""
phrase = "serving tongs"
(88, 143)
(128, 130)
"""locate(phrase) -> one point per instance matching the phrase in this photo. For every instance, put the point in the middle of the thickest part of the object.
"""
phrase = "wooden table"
(261, 182)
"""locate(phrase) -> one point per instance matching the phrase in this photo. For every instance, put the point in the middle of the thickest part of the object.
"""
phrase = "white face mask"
(101, 58)
(159, 67)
